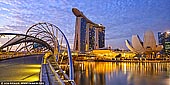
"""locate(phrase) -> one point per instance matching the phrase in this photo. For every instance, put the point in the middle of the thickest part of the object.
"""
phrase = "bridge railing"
(6, 55)
(52, 74)
(49, 75)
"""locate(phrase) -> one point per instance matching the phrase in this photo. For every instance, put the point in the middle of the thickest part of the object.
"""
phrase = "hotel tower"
(88, 35)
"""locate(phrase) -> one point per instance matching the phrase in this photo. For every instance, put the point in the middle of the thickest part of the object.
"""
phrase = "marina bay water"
(119, 73)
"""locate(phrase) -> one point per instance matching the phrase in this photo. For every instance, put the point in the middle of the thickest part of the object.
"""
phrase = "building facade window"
(164, 39)
(83, 35)
(91, 38)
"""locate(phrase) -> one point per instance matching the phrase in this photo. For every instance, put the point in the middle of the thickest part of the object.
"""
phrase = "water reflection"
(112, 73)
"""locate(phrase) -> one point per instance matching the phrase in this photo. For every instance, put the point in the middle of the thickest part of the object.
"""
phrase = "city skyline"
(122, 19)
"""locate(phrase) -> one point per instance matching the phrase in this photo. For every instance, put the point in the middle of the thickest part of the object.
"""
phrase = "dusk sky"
(122, 18)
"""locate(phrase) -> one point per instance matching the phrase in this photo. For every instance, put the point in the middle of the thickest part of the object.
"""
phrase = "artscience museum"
(147, 47)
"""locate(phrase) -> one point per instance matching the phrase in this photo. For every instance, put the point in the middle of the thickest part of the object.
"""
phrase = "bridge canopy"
(21, 38)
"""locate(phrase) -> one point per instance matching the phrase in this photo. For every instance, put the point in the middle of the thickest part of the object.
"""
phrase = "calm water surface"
(112, 73)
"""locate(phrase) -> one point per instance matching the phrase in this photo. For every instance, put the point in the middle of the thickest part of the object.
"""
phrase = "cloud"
(122, 18)
(11, 29)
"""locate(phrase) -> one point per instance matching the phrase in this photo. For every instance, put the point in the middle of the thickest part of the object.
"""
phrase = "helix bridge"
(43, 39)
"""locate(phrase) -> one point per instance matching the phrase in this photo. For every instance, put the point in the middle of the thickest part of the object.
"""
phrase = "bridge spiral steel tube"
(49, 33)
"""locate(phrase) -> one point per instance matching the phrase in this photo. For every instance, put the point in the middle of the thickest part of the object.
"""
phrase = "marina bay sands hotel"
(88, 35)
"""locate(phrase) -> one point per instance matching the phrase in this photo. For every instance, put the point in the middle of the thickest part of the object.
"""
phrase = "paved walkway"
(21, 69)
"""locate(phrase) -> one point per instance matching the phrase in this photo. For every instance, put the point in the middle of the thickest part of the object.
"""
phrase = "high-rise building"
(88, 35)
(80, 34)
(101, 37)
(160, 38)
(164, 39)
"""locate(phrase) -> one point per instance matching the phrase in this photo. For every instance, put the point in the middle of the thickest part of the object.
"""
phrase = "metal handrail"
(55, 74)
